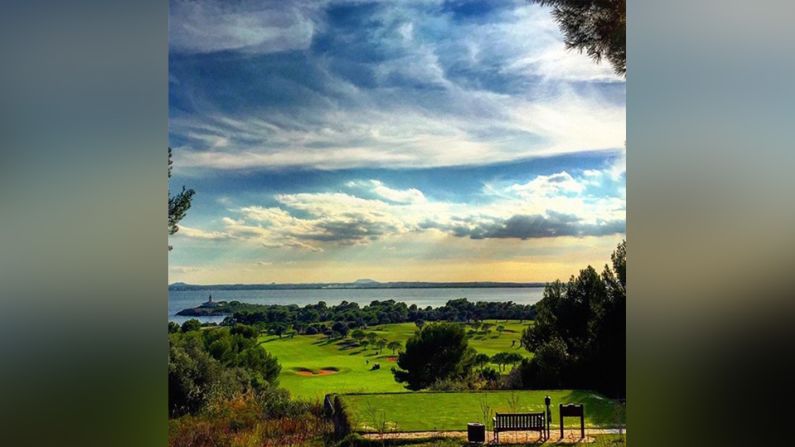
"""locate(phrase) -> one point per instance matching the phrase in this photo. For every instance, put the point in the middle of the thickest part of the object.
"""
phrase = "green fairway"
(353, 364)
(440, 411)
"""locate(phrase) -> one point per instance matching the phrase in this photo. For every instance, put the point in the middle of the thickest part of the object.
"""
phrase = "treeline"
(579, 336)
(301, 319)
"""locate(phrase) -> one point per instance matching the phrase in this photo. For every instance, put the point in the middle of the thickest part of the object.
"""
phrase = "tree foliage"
(379, 312)
(204, 366)
(191, 325)
(178, 204)
(598, 27)
(394, 346)
(506, 358)
(436, 352)
(340, 328)
(579, 335)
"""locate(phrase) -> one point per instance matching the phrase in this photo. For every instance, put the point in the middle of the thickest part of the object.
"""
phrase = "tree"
(178, 204)
(358, 335)
(191, 325)
(372, 338)
(481, 360)
(340, 328)
(499, 359)
(381, 343)
(394, 346)
(598, 27)
(579, 335)
(500, 329)
(437, 352)
(172, 327)
(419, 323)
(512, 358)
(278, 329)
(244, 330)
(364, 344)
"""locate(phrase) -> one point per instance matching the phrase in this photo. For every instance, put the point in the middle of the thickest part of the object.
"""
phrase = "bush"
(191, 325)
(196, 379)
(490, 374)
(216, 364)
(244, 330)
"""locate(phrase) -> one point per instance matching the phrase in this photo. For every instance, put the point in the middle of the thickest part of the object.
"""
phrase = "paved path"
(569, 436)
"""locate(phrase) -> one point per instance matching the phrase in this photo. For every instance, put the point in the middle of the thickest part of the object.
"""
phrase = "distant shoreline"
(356, 285)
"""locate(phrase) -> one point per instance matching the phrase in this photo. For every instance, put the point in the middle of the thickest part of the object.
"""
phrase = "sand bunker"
(391, 358)
(306, 372)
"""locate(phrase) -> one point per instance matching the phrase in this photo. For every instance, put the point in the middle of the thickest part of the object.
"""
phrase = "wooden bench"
(519, 422)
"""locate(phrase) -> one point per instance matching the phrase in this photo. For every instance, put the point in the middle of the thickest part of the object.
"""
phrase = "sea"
(422, 297)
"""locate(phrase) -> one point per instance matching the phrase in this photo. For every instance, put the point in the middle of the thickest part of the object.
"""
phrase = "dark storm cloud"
(530, 227)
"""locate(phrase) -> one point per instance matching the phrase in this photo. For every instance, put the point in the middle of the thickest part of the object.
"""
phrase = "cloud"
(411, 195)
(538, 226)
(196, 233)
(251, 26)
(549, 185)
(389, 84)
(185, 269)
(546, 206)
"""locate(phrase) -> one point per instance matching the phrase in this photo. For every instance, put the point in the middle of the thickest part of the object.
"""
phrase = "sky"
(422, 140)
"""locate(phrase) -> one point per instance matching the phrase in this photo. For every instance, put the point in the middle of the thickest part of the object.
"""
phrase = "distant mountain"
(365, 281)
(358, 284)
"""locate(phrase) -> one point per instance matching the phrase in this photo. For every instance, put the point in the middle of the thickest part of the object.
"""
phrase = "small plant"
(378, 420)
(485, 410)
(375, 366)
(513, 402)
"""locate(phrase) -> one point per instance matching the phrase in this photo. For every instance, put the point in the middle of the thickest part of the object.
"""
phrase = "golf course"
(314, 365)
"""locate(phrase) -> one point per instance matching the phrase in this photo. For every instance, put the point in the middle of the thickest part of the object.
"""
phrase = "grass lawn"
(598, 441)
(440, 411)
(302, 354)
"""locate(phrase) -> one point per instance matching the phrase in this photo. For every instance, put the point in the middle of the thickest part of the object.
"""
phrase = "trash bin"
(476, 432)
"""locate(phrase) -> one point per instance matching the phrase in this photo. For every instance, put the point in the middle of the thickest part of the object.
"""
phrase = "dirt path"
(569, 436)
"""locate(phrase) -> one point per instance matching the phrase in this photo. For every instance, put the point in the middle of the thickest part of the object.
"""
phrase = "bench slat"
(519, 421)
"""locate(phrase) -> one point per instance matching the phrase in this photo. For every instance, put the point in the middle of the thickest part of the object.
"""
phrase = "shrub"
(244, 330)
(191, 325)
(490, 374)
(340, 328)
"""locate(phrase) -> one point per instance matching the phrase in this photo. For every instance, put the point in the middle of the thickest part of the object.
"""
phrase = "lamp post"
(547, 401)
